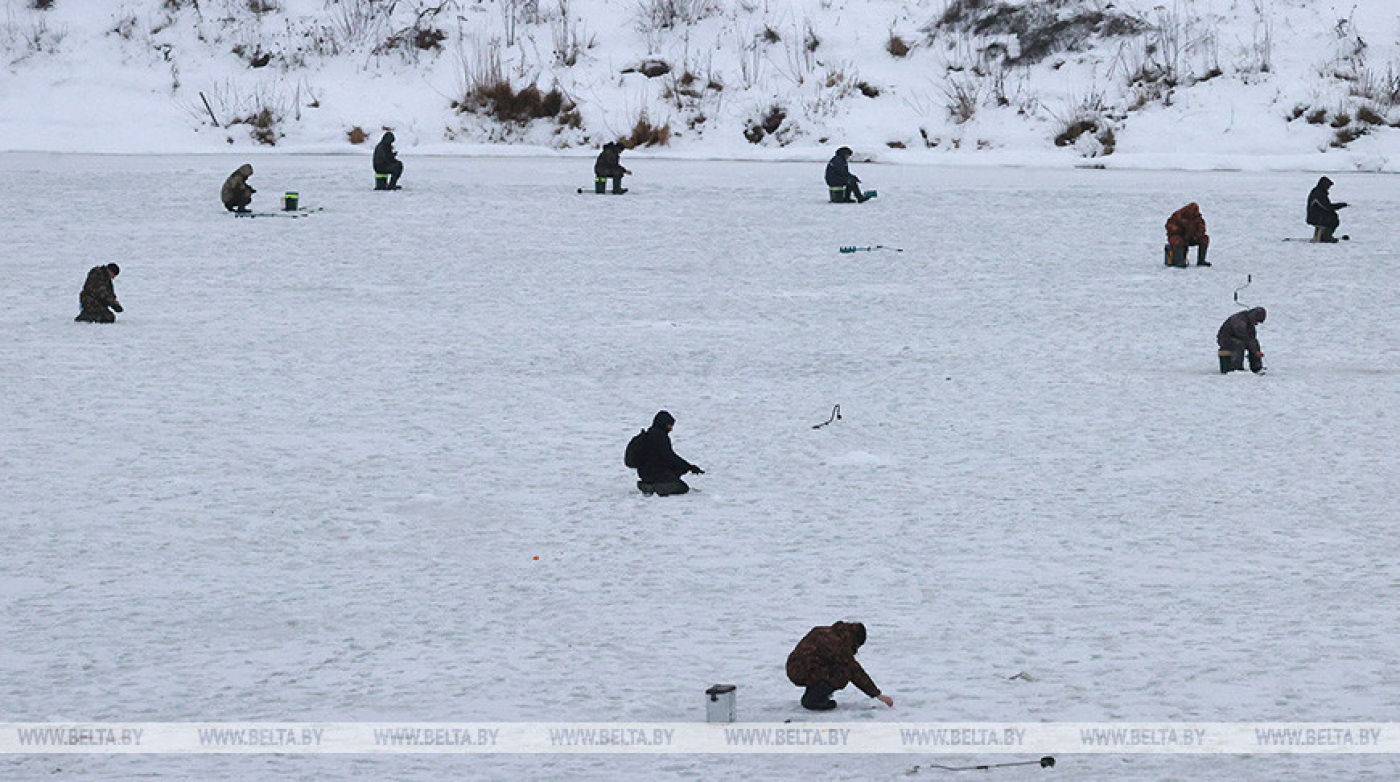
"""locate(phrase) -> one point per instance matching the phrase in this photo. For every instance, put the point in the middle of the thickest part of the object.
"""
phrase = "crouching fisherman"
(659, 469)
(98, 298)
(237, 194)
(1187, 228)
(1236, 337)
(824, 661)
(387, 166)
(840, 182)
(609, 166)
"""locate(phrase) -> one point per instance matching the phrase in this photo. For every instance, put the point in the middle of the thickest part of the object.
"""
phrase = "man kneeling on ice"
(825, 661)
(1187, 228)
(1236, 336)
(237, 193)
(98, 298)
(659, 469)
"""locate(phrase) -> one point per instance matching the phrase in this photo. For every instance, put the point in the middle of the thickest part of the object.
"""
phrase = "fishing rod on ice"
(1043, 763)
(872, 248)
(835, 416)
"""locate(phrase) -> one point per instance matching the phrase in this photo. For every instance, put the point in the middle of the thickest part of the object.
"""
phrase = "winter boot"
(1327, 236)
(668, 487)
(817, 697)
(1201, 256)
(600, 185)
(618, 189)
(1256, 363)
(646, 488)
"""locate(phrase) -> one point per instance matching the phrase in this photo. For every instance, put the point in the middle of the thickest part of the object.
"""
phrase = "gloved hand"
(116, 305)
(696, 470)
(251, 190)
(1342, 205)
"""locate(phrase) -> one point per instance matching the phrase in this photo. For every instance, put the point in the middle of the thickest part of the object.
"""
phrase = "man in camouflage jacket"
(1187, 228)
(237, 194)
(825, 661)
(98, 298)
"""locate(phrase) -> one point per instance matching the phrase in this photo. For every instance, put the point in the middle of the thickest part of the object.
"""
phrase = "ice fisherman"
(659, 469)
(386, 162)
(824, 661)
(609, 166)
(1236, 337)
(1322, 213)
(1187, 228)
(98, 298)
(840, 182)
(237, 193)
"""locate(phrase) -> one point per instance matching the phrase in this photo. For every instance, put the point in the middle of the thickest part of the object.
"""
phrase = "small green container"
(289, 202)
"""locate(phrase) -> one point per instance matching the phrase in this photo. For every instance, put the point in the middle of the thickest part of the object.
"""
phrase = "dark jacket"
(659, 461)
(827, 655)
(1321, 211)
(1240, 328)
(236, 191)
(609, 163)
(838, 172)
(97, 293)
(384, 157)
(1187, 226)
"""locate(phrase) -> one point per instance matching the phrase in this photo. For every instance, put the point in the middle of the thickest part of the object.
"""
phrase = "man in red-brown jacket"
(825, 661)
(1186, 228)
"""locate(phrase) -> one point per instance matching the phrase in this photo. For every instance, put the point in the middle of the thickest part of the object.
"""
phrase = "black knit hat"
(114, 269)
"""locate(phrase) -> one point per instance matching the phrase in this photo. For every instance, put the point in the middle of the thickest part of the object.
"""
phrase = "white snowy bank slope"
(1192, 83)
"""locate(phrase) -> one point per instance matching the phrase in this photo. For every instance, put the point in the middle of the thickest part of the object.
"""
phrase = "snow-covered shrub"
(357, 135)
(896, 46)
(357, 23)
(645, 134)
(1087, 127)
(569, 37)
(1041, 29)
(766, 125)
(666, 14)
(963, 92)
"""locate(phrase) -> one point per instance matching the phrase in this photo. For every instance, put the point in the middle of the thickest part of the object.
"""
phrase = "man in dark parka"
(1322, 213)
(842, 184)
(98, 298)
(386, 161)
(609, 166)
(237, 194)
(824, 661)
(661, 469)
(1237, 335)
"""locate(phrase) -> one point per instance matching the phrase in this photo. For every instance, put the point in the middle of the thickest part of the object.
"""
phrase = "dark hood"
(1323, 183)
(662, 421)
(851, 633)
(389, 137)
(1257, 314)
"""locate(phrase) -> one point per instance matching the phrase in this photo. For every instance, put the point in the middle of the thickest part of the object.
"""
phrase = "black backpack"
(635, 447)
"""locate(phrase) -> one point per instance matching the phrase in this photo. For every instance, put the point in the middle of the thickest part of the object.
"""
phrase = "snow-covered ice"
(306, 475)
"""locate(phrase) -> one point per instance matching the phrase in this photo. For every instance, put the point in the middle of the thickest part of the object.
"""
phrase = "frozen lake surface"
(365, 465)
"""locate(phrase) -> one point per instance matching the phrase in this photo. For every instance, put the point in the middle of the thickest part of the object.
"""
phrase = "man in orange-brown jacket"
(825, 661)
(1186, 228)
